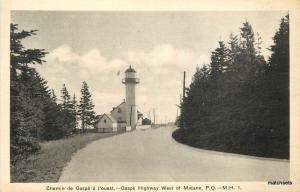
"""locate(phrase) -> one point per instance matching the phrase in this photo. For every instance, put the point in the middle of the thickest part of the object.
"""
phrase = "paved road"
(152, 155)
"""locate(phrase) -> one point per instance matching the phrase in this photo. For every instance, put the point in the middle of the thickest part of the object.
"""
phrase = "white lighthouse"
(130, 81)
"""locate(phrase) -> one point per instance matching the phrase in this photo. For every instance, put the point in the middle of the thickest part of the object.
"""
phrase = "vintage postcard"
(149, 96)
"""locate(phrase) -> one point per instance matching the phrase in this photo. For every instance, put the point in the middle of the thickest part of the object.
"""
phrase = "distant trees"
(74, 112)
(36, 114)
(239, 101)
(86, 107)
(67, 111)
(146, 121)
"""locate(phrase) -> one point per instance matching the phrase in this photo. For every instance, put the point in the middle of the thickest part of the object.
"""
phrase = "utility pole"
(154, 116)
(183, 91)
(183, 98)
(180, 99)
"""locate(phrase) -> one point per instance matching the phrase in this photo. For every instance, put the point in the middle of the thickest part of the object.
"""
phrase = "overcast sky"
(95, 46)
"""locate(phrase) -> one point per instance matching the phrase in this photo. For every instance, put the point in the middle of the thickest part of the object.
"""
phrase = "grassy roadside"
(230, 142)
(47, 165)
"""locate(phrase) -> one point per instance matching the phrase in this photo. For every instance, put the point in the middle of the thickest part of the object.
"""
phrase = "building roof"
(98, 117)
(109, 116)
(117, 106)
(130, 69)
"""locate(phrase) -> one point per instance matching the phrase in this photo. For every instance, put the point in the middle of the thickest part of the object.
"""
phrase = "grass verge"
(233, 142)
(48, 163)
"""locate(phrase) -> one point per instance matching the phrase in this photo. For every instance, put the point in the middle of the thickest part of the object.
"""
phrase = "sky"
(98, 46)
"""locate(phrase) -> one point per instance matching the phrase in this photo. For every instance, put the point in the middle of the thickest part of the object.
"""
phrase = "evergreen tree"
(54, 120)
(246, 63)
(53, 96)
(36, 92)
(57, 120)
(276, 92)
(279, 60)
(22, 114)
(86, 107)
(247, 38)
(25, 116)
(20, 57)
(66, 98)
(74, 112)
(258, 43)
(219, 60)
(233, 50)
(66, 111)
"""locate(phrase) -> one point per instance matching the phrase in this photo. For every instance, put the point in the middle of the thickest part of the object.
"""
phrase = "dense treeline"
(36, 114)
(240, 102)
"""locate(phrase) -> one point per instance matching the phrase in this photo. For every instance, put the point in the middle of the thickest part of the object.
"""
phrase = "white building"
(119, 113)
(106, 123)
(124, 116)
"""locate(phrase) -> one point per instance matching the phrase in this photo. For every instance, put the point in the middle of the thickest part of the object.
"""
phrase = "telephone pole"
(183, 91)
(154, 116)
(183, 98)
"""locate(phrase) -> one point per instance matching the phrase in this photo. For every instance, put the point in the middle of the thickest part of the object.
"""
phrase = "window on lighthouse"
(119, 110)
(104, 120)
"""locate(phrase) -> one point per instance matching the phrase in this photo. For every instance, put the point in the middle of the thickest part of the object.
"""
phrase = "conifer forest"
(36, 113)
(239, 102)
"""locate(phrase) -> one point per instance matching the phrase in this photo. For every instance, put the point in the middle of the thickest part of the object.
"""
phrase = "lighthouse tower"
(130, 81)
